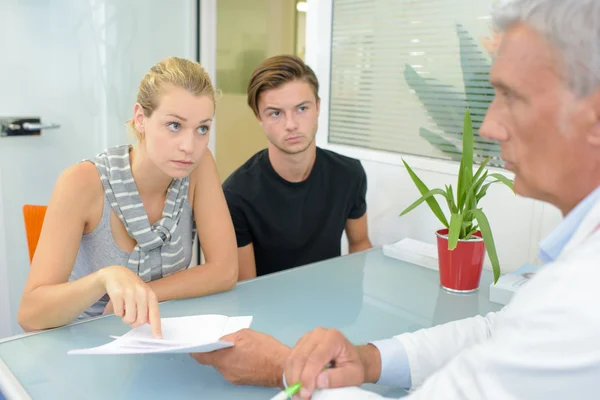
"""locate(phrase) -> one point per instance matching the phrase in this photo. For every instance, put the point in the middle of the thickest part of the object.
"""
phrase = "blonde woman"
(118, 232)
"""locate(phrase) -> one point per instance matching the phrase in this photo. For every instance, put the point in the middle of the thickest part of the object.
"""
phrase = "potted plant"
(463, 242)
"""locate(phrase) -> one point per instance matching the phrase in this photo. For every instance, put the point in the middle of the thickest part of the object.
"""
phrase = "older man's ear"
(591, 117)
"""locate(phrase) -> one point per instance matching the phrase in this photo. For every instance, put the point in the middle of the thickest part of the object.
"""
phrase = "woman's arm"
(217, 238)
(48, 299)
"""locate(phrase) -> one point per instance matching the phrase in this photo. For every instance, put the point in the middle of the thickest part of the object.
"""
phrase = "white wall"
(518, 224)
(5, 311)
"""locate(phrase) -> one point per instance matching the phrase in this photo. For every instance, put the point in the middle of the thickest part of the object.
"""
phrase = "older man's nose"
(492, 130)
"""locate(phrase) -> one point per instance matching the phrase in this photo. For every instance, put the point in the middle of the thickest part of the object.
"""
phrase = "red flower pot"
(460, 269)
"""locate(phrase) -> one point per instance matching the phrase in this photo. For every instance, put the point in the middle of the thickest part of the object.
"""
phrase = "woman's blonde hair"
(179, 72)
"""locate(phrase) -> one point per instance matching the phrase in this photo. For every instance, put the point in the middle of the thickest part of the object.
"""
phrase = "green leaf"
(481, 167)
(468, 145)
(481, 194)
(471, 200)
(448, 199)
(488, 239)
(466, 227)
(483, 191)
(454, 230)
(464, 230)
(465, 172)
(467, 154)
(477, 183)
(459, 184)
(460, 191)
(451, 204)
(426, 198)
(472, 231)
(431, 201)
(504, 180)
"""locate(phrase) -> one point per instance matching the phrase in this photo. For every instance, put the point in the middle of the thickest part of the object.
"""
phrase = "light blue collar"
(554, 244)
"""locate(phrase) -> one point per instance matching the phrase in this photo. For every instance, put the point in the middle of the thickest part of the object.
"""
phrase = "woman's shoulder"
(80, 181)
(78, 193)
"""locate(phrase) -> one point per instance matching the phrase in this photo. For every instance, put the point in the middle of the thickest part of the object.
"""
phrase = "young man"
(291, 202)
(544, 344)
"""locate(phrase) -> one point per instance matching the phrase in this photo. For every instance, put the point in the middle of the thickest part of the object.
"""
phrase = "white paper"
(349, 393)
(193, 334)
(414, 252)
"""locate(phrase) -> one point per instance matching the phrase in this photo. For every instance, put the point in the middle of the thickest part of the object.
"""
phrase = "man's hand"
(352, 366)
(255, 359)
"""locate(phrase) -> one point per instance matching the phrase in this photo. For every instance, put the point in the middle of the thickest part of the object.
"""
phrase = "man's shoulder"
(246, 174)
(340, 162)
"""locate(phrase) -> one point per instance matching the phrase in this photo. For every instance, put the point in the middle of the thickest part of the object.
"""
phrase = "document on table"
(193, 334)
(347, 393)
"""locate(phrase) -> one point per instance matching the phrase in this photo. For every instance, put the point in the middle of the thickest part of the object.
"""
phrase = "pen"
(288, 393)
(293, 389)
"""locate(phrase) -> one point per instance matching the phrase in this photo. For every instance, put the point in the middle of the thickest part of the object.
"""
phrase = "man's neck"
(150, 181)
(567, 204)
(293, 167)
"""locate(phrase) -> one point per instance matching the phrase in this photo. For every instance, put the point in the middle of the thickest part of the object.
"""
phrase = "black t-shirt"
(295, 223)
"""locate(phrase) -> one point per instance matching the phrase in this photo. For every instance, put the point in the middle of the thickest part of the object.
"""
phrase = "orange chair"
(34, 219)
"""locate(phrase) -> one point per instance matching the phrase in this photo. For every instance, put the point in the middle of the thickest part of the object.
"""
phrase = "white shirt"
(544, 345)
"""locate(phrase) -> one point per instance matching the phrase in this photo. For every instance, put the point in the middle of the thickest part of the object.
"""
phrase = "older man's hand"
(255, 359)
(352, 366)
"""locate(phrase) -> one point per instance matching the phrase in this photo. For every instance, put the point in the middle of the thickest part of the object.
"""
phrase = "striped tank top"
(161, 249)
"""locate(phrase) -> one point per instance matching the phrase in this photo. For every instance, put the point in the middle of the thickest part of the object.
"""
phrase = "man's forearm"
(371, 360)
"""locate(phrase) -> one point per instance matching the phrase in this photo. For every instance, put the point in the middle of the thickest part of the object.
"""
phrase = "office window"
(403, 72)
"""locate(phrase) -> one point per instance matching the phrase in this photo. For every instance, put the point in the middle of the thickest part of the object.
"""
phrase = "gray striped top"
(161, 249)
(98, 250)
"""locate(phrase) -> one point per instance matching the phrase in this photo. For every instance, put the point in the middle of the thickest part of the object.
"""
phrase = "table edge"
(10, 386)
(26, 334)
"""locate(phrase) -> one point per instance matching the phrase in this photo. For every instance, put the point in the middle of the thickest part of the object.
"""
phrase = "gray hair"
(573, 26)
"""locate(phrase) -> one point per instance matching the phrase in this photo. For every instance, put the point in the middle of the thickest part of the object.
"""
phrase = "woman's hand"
(131, 298)
(108, 309)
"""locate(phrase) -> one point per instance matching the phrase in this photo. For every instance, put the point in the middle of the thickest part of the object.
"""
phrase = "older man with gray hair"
(546, 343)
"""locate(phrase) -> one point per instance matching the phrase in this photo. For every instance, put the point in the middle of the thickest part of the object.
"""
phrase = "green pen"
(288, 392)
(293, 389)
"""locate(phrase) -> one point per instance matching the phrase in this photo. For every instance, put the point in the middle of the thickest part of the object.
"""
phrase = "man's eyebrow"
(305, 102)
(272, 108)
